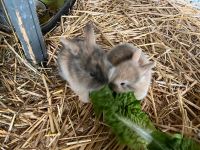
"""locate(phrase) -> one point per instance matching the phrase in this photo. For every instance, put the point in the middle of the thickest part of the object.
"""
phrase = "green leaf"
(125, 105)
(163, 141)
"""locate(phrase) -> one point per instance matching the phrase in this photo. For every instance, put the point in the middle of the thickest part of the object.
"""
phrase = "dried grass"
(37, 110)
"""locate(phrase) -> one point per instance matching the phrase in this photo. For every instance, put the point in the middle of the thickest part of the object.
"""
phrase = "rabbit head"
(83, 63)
(133, 76)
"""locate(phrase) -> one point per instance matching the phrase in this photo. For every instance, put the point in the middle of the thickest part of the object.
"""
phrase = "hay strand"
(37, 110)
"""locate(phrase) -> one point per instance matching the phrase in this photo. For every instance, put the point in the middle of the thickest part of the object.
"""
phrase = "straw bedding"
(37, 110)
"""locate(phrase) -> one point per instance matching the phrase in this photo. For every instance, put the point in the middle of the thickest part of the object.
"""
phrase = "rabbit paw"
(84, 97)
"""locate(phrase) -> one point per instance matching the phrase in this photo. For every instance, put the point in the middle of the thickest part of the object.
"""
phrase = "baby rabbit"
(133, 70)
(84, 64)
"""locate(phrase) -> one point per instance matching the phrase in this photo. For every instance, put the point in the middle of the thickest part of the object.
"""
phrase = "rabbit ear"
(147, 67)
(69, 44)
(89, 34)
(136, 55)
(111, 73)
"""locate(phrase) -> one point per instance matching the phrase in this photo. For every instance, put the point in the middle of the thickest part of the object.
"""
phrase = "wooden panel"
(23, 17)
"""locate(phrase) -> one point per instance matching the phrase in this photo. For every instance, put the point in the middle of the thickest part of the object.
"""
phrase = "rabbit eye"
(122, 84)
(92, 74)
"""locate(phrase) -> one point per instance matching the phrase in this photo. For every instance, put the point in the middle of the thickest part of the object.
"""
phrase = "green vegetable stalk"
(123, 113)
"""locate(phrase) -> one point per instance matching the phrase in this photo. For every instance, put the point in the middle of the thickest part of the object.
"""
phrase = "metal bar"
(23, 17)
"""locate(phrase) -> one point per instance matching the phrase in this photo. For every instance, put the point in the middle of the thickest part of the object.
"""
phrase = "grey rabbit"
(132, 70)
(83, 64)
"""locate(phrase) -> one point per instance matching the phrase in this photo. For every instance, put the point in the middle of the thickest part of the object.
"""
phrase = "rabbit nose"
(111, 85)
(103, 79)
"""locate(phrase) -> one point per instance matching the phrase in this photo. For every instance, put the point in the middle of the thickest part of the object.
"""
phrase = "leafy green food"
(136, 129)
(126, 105)
(163, 141)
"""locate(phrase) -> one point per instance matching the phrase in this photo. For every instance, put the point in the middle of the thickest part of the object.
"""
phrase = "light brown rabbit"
(133, 70)
(84, 64)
